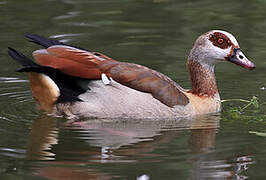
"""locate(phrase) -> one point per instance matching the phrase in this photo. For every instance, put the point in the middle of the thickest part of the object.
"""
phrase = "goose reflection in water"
(88, 144)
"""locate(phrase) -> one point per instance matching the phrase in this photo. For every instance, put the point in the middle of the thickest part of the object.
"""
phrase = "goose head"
(218, 46)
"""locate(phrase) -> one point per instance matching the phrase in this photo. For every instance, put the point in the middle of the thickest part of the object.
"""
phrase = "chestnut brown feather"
(68, 66)
(146, 80)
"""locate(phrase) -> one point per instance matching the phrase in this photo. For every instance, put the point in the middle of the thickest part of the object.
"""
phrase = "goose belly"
(118, 101)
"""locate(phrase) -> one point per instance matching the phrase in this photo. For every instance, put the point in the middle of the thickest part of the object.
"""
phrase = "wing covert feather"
(146, 80)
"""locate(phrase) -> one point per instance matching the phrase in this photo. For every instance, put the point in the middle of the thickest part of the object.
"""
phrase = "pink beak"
(240, 59)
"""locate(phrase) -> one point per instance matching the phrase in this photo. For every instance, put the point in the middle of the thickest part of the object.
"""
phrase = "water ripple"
(68, 15)
(14, 153)
(11, 80)
(81, 24)
(69, 2)
(65, 37)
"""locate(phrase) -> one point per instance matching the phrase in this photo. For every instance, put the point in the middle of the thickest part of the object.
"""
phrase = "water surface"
(154, 33)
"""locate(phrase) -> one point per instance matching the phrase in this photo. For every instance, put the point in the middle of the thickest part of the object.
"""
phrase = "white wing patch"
(106, 80)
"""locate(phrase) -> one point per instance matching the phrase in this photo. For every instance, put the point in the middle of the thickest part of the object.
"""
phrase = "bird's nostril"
(241, 57)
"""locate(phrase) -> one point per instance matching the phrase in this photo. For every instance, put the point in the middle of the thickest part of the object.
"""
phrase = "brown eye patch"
(220, 40)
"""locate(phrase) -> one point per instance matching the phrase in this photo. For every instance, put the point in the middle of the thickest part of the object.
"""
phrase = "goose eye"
(220, 40)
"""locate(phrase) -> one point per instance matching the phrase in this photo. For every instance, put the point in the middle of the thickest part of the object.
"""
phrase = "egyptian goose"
(76, 82)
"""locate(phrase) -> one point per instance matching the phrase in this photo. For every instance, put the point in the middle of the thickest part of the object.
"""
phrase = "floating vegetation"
(250, 112)
(253, 102)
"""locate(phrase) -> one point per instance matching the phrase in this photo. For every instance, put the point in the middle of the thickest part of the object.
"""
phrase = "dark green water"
(154, 33)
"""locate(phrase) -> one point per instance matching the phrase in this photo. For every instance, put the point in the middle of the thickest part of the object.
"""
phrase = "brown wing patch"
(78, 55)
(146, 80)
(72, 61)
(68, 66)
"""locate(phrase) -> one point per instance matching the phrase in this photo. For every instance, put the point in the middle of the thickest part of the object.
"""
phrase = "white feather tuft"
(105, 79)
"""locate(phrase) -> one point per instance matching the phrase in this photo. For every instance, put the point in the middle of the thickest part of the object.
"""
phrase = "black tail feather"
(28, 64)
(42, 40)
(45, 42)
(21, 59)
